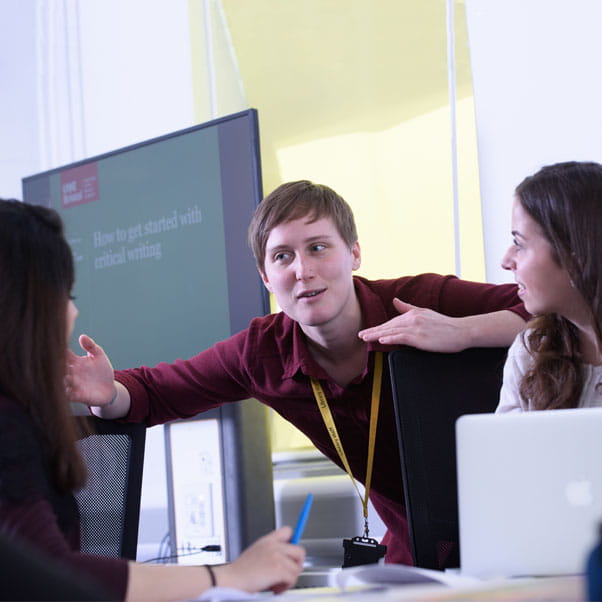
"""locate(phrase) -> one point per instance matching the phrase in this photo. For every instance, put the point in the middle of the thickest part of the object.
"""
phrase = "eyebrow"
(277, 249)
(305, 241)
(517, 234)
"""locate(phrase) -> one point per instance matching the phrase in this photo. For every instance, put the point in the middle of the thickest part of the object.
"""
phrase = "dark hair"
(295, 200)
(36, 278)
(565, 199)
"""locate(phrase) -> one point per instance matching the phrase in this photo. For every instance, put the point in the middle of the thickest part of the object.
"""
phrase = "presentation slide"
(158, 232)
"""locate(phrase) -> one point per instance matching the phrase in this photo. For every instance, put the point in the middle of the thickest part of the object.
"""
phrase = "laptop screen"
(529, 491)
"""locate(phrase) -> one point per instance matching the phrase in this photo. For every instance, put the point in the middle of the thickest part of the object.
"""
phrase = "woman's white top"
(518, 362)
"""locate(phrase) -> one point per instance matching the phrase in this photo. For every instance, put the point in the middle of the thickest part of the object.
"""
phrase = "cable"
(208, 548)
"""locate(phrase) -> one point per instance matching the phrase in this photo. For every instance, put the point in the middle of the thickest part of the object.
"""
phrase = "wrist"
(469, 333)
(98, 410)
(225, 577)
(212, 575)
(116, 392)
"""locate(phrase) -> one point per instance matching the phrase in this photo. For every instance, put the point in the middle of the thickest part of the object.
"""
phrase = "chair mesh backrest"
(109, 504)
(102, 501)
(430, 391)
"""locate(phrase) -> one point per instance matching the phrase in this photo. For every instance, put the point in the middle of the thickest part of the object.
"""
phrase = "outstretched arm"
(429, 330)
(90, 380)
(271, 563)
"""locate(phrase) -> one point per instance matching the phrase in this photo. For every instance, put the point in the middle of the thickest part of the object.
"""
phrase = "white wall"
(83, 78)
(538, 98)
(18, 112)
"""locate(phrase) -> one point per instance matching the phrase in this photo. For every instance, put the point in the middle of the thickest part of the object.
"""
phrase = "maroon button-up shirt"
(271, 362)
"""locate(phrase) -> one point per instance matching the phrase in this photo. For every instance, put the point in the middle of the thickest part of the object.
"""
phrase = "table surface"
(550, 589)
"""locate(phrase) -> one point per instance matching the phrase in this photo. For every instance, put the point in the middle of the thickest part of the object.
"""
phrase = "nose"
(508, 262)
(304, 268)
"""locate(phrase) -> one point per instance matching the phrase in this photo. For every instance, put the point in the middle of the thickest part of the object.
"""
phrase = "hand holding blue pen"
(302, 519)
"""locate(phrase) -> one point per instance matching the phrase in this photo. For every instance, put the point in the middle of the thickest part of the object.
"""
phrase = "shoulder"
(458, 297)
(519, 357)
(265, 335)
(446, 294)
(22, 471)
(517, 363)
(16, 427)
(418, 281)
(266, 329)
(273, 336)
(519, 352)
(421, 289)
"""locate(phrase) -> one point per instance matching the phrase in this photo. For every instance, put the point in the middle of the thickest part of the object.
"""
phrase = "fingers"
(272, 562)
(393, 326)
(392, 337)
(280, 539)
(92, 349)
(282, 534)
(390, 332)
(87, 344)
(291, 562)
(71, 357)
(402, 306)
(406, 329)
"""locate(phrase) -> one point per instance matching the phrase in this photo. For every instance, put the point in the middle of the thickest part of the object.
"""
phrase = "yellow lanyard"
(334, 435)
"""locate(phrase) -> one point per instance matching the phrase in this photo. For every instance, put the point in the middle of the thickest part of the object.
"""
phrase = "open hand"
(419, 327)
(89, 377)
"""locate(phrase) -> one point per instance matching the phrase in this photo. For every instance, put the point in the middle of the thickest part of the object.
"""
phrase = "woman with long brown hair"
(40, 466)
(556, 258)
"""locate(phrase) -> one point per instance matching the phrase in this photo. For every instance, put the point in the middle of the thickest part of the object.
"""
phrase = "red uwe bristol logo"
(79, 185)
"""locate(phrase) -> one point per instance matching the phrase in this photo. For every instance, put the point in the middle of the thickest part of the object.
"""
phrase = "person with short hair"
(40, 465)
(556, 260)
(331, 333)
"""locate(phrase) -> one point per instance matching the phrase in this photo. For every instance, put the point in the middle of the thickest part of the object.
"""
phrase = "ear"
(357, 255)
(265, 280)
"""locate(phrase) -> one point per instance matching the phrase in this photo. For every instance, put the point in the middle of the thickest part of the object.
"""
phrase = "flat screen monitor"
(163, 269)
(158, 231)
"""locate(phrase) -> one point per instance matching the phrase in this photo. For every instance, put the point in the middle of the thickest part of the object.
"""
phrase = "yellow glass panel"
(354, 94)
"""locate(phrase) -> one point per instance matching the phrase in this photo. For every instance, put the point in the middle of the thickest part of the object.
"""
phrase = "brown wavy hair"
(565, 199)
(36, 278)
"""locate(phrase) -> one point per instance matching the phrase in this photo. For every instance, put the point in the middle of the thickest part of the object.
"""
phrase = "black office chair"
(109, 504)
(430, 391)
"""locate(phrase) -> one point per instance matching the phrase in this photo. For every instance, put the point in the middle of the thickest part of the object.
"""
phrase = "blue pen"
(302, 519)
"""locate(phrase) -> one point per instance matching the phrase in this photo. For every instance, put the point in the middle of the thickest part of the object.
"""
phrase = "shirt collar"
(373, 314)
(299, 359)
(374, 311)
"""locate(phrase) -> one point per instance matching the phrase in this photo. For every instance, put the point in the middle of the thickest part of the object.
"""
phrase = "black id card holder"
(362, 550)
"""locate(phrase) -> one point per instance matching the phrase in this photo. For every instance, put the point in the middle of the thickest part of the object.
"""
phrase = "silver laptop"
(529, 491)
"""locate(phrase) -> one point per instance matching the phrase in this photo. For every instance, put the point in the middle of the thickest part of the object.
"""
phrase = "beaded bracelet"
(211, 574)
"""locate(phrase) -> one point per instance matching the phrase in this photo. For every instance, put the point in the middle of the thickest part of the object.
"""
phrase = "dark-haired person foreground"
(556, 258)
(40, 466)
(333, 330)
